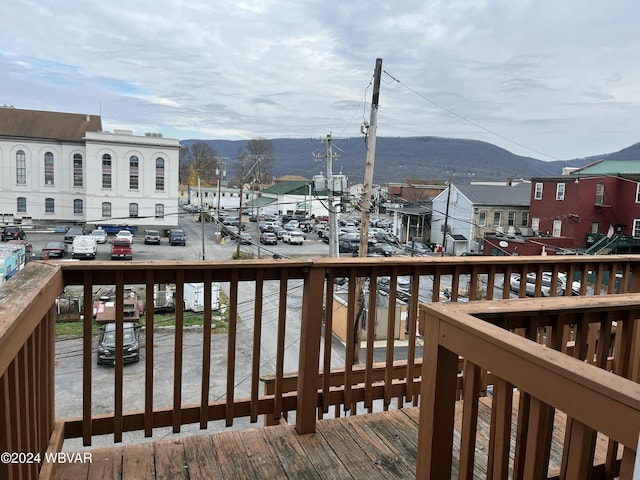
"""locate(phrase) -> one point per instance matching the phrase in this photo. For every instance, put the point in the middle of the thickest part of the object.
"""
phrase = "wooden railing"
(271, 303)
(504, 338)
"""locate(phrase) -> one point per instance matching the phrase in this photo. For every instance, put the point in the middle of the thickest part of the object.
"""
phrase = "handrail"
(26, 319)
(592, 397)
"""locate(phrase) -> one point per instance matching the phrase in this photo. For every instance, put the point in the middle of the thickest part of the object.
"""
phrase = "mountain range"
(399, 159)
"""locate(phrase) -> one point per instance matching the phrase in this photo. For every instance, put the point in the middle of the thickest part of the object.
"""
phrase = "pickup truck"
(121, 249)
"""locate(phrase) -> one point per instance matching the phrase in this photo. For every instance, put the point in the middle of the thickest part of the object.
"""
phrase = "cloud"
(555, 77)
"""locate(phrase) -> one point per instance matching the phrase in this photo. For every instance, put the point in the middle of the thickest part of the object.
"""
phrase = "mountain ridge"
(416, 158)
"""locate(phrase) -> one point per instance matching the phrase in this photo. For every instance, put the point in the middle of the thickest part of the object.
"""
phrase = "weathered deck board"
(372, 446)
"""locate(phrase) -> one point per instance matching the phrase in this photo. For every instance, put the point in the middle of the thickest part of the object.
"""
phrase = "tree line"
(252, 165)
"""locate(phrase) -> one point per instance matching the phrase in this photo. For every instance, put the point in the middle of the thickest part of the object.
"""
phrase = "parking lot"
(216, 247)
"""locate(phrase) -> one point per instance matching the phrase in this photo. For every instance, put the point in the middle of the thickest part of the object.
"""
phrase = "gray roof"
(514, 195)
(35, 124)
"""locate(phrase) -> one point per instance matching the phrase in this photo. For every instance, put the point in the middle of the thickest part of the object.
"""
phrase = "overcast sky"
(543, 78)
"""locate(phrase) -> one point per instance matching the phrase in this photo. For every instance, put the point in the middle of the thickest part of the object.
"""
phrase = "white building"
(61, 168)
(470, 211)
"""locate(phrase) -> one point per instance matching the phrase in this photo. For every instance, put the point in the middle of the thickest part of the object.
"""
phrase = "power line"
(469, 121)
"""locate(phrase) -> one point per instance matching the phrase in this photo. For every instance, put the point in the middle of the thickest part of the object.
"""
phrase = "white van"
(84, 246)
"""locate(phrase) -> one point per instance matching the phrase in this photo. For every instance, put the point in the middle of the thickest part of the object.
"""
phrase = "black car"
(107, 343)
(151, 237)
(177, 237)
(72, 233)
(11, 232)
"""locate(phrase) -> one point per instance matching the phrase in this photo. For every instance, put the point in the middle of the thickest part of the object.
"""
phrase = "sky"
(554, 80)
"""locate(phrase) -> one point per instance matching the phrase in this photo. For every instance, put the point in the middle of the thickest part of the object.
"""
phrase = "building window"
(21, 168)
(557, 228)
(538, 191)
(595, 227)
(49, 205)
(133, 172)
(525, 219)
(535, 224)
(106, 171)
(512, 218)
(106, 209)
(159, 174)
(638, 193)
(560, 191)
(48, 168)
(159, 210)
(133, 209)
(78, 206)
(636, 227)
(22, 205)
(482, 219)
(600, 194)
(78, 178)
(497, 218)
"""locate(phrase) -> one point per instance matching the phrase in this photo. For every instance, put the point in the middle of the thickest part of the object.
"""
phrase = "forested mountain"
(398, 159)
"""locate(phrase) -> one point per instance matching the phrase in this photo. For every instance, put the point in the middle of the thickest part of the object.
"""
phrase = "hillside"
(398, 159)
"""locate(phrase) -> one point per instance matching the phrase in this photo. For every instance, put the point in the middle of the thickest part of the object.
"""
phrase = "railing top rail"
(548, 305)
(595, 397)
(24, 301)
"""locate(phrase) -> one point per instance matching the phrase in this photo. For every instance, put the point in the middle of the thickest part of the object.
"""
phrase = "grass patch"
(219, 321)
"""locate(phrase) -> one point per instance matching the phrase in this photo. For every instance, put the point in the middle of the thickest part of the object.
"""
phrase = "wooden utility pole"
(365, 206)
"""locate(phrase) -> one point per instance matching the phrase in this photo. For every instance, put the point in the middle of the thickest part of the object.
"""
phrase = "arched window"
(159, 174)
(106, 171)
(78, 178)
(78, 206)
(133, 209)
(133, 172)
(21, 168)
(22, 205)
(49, 205)
(48, 168)
(106, 209)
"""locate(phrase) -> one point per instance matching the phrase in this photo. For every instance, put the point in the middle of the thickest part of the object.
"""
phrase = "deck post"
(309, 360)
(437, 404)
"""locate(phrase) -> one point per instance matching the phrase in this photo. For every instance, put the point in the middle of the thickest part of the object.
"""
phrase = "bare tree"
(258, 151)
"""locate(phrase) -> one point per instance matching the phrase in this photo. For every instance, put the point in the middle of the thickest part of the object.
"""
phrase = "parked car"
(293, 237)
(230, 231)
(125, 234)
(278, 230)
(54, 249)
(246, 238)
(100, 234)
(121, 249)
(72, 233)
(151, 237)
(13, 232)
(546, 286)
(403, 287)
(381, 248)
(269, 238)
(107, 343)
(84, 246)
(177, 237)
(28, 247)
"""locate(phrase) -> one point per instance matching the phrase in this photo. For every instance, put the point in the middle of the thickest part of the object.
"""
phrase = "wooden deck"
(371, 446)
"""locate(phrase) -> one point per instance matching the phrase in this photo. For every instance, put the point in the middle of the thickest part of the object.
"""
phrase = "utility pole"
(365, 207)
(258, 159)
(201, 216)
(446, 219)
(333, 218)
